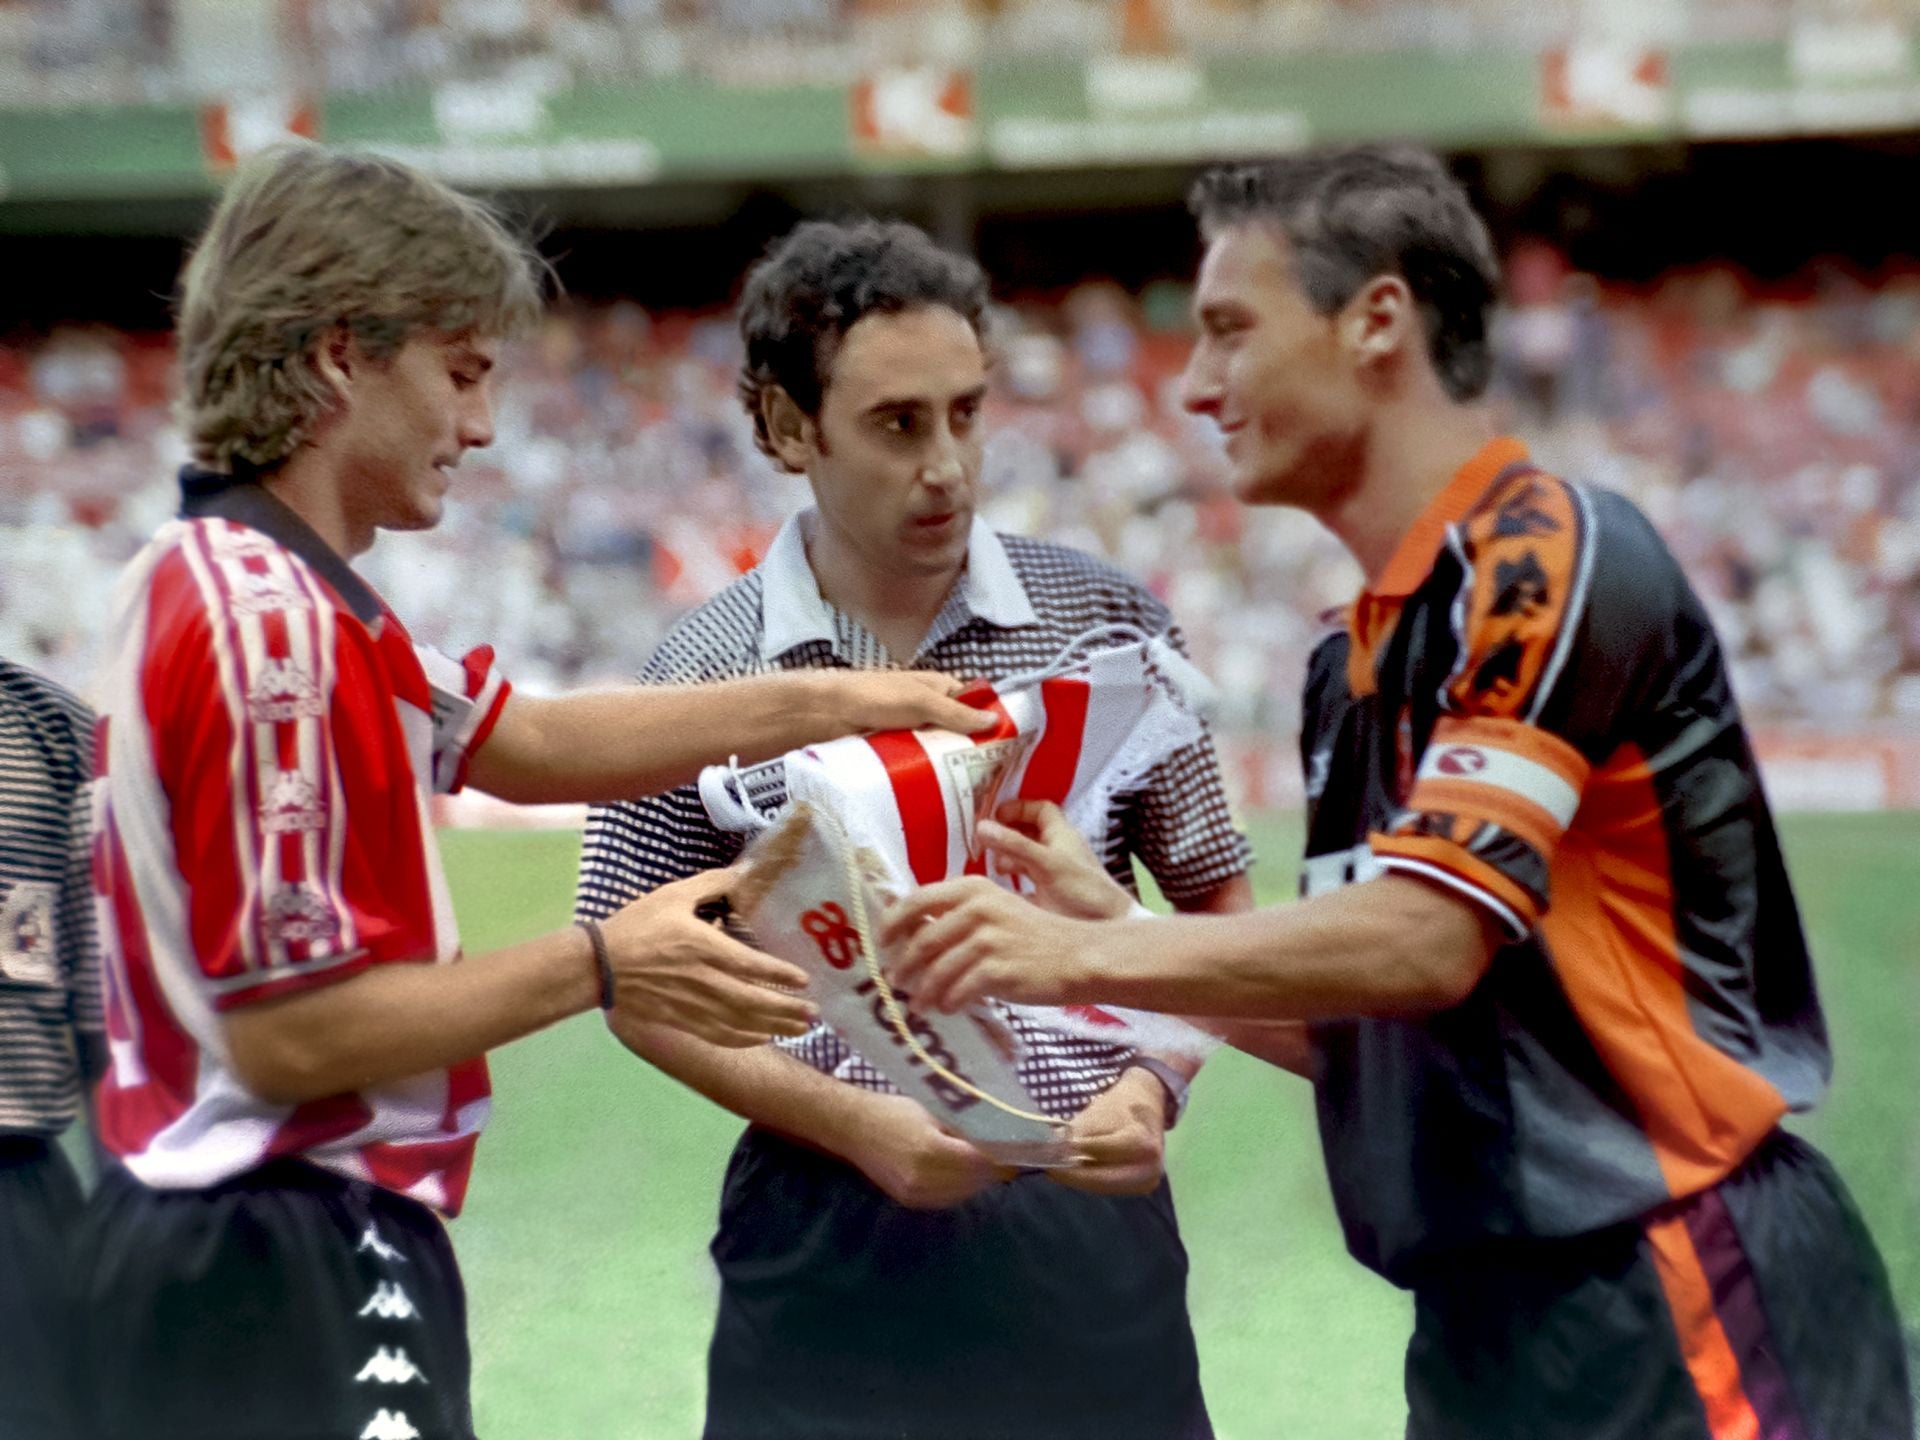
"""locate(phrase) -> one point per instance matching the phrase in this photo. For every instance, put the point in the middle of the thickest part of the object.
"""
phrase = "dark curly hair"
(1352, 214)
(816, 282)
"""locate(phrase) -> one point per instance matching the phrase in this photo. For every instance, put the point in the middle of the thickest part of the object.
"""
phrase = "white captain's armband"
(1503, 772)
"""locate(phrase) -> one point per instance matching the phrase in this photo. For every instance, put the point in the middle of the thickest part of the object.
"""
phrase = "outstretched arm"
(670, 968)
(641, 739)
(1033, 840)
(1394, 945)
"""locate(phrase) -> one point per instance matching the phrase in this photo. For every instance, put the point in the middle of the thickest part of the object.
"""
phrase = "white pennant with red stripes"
(912, 800)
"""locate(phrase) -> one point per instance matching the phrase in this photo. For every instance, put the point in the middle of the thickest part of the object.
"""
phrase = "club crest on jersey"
(292, 804)
(26, 934)
(283, 690)
(300, 913)
(255, 593)
(1461, 760)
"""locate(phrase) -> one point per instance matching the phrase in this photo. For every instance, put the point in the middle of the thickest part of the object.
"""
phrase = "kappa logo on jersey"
(266, 594)
(241, 544)
(26, 934)
(389, 1302)
(292, 804)
(283, 690)
(390, 1425)
(1461, 760)
(390, 1367)
(1319, 771)
(299, 913)
(370, 1240)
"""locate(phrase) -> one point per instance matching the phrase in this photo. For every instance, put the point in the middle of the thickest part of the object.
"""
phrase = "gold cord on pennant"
(890, 1003)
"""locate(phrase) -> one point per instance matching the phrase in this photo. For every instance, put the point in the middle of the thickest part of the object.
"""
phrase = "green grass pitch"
(584, 1241)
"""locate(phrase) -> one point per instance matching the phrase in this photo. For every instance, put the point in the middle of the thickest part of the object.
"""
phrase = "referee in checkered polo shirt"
(51, 1043)
(879, 1276)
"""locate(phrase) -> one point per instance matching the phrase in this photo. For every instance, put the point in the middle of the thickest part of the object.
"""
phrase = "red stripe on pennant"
(1056, 759)
(916, 794)
(1004, 729)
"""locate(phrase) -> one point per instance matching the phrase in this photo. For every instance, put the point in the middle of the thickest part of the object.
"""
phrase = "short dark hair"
(1356, 213)
(815, 283)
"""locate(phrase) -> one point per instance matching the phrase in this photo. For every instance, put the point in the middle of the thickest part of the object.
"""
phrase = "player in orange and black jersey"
(1556, 992)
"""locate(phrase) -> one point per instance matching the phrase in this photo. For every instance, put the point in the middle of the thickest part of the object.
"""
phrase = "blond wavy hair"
(305, 240)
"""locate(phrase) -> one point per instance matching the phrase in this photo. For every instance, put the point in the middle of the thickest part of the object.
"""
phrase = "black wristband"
(600, 960)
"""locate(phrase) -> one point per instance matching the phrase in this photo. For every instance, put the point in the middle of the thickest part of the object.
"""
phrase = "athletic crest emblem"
(26, 934)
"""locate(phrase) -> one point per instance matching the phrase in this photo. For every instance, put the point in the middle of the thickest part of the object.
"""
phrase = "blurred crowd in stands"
(1770, 435)
(68, 51)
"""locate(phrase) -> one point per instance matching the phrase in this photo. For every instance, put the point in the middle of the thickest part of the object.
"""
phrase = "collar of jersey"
(242, 499)
(1413, 558)
(793, 612)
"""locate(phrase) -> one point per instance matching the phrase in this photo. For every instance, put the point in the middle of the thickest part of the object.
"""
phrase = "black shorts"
(1030, 1311)
(39, 1209)
(287, 1303)
(1757, 1308)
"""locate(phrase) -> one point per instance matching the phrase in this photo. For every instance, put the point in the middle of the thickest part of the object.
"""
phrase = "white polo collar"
(793, 612)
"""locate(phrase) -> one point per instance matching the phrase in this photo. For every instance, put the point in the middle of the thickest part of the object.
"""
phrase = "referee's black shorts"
(1030, 1312)
(287, 1303)
(1758, 1308)
(39, 1209)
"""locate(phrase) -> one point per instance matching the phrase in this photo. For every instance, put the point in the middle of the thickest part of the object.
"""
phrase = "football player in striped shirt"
(879, 1275)
(1558, 995)
(298, 1072)
(51, 1040)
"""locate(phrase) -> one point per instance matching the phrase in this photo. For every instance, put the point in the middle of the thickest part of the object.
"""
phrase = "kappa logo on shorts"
(390, 1367)
(258, 594)
(282, 690)
(370, 1240)
(300, 913)
(389, 1302)
(1461, 760)
(390, 1425)
(292, 804)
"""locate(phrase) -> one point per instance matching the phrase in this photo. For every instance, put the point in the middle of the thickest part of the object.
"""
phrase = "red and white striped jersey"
(270, 740)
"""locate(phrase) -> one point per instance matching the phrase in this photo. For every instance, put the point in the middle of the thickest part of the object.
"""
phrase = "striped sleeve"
(253, 697)
(468, 695)
(1502, 774)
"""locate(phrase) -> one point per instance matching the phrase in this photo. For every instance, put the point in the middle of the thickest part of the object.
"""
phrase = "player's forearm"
(764, 1086)
(1232, 896)
(1390, 946)
(638, 740)
(1284, 1043)
(397, 1020)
